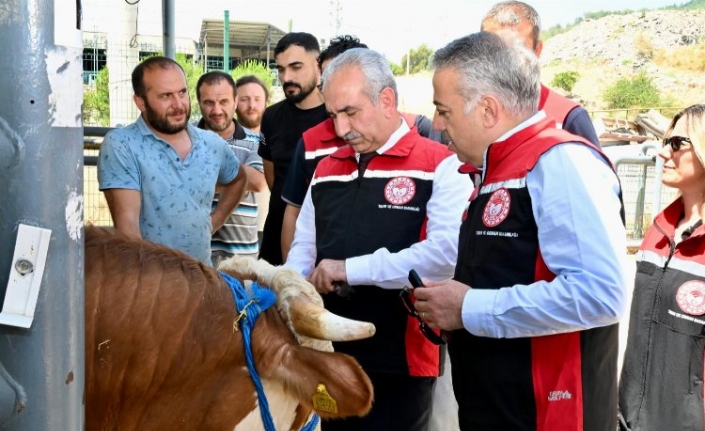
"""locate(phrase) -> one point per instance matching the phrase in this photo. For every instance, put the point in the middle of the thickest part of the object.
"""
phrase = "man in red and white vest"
(361, 229)
(539, 285)
(519, 17)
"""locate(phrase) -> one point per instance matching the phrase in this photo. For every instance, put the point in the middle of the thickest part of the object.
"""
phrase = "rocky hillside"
(606, 49)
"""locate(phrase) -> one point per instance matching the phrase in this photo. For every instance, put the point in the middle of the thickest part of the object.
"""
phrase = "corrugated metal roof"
(251, 37)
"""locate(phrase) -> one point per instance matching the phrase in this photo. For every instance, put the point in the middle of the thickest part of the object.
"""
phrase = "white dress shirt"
(433, 258)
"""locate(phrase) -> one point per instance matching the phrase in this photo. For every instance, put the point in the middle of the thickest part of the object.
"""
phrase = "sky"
(388, 26)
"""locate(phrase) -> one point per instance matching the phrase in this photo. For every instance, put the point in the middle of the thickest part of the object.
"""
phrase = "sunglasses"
(676, 142)
(426, 330)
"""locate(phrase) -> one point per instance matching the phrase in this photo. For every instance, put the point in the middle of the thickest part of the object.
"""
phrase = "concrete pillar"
(123, 56)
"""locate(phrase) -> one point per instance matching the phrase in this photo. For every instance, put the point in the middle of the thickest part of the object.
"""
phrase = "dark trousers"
(401, 403)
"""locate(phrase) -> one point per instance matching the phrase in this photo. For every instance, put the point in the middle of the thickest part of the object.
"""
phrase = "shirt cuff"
(477, 312)
(357, 270)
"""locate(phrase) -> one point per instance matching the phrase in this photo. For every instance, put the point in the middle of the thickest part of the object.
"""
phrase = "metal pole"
(41, 173)
(226, 41)
(269, 43)
(169, 39)
(658, 173)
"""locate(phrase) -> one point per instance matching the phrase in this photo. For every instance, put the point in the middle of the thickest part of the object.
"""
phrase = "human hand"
(440, 303)
(325, 276)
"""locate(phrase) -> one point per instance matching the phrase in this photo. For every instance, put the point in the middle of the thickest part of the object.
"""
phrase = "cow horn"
(314, 321)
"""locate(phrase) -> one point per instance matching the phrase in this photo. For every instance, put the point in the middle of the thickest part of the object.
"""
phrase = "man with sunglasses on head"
(388, 201)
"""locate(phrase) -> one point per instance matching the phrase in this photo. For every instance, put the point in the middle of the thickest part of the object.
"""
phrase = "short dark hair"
(252, 79)
(214, 77)
(150, 63)
(339, 45)
(305, 40)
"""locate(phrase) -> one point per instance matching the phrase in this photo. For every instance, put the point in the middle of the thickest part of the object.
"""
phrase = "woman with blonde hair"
(661, 386)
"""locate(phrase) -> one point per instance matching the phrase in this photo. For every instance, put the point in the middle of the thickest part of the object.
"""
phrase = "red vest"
(555, 105)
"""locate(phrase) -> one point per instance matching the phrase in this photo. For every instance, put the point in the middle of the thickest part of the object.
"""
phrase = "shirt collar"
(540, 115)
(402, 130)
(146, 131)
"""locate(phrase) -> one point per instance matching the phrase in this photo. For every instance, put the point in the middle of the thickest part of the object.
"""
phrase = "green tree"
(638, 91)
(96, 101)
(419, 59)
(256, 68)
(396, 69)
(566, 80)
(193, 71)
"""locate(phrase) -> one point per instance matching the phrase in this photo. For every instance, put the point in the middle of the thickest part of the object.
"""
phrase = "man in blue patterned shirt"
(160, 173)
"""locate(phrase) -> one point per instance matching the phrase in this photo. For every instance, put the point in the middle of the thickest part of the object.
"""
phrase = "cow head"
(299, 304)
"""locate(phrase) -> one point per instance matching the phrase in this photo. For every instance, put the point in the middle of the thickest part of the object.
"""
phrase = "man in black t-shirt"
(283, 124)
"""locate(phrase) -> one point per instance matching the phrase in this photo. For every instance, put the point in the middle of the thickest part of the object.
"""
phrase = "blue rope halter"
(249, 308)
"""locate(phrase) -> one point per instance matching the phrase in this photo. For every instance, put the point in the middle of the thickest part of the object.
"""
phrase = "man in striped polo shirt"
(217, 96)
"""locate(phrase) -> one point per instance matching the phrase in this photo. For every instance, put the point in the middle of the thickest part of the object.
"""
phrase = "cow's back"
(162, 352)
(157, 345)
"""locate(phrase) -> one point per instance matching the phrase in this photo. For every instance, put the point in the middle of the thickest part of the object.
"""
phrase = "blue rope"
(249, 308)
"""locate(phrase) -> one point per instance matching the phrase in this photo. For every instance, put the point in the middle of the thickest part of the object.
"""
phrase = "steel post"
(226, 41)
(42, 179)
(169, 29)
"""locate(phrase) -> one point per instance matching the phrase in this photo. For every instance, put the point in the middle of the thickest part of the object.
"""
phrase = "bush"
(396, 69)
(644, 47)
(96, 101)
(565, 80)
(638, 91)
(689, 57)
(193, 71)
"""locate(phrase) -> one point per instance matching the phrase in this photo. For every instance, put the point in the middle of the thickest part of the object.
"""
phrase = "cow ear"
(303, 370)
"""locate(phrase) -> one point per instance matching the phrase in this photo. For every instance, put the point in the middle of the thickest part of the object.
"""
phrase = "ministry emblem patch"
(691, 298)
(400, 190)
(497, 208)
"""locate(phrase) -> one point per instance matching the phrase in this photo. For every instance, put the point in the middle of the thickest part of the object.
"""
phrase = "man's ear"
(139, 102)
(490, 108)
(388, 101)
(538, 48)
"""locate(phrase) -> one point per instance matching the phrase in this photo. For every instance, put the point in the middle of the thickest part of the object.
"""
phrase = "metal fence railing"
(95, 208)
(631, 113)
(639, 174)
(642, 192)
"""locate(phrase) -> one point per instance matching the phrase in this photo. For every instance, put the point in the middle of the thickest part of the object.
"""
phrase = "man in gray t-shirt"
(160, 173)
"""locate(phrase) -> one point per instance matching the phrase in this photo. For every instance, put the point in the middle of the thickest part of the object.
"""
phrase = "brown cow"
(161, 352)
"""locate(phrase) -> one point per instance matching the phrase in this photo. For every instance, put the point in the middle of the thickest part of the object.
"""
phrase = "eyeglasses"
(426, 330)
(676, 142)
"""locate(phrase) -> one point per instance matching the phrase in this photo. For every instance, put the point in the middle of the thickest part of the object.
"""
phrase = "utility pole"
(336, 16)
(226, 41)
(41, 172)
(408, 59)
(169, 33)
(123, 56)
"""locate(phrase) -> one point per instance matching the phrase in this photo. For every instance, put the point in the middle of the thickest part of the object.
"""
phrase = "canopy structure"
(248, 40)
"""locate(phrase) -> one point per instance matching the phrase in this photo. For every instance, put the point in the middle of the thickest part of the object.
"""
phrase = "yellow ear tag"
(323, 401)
